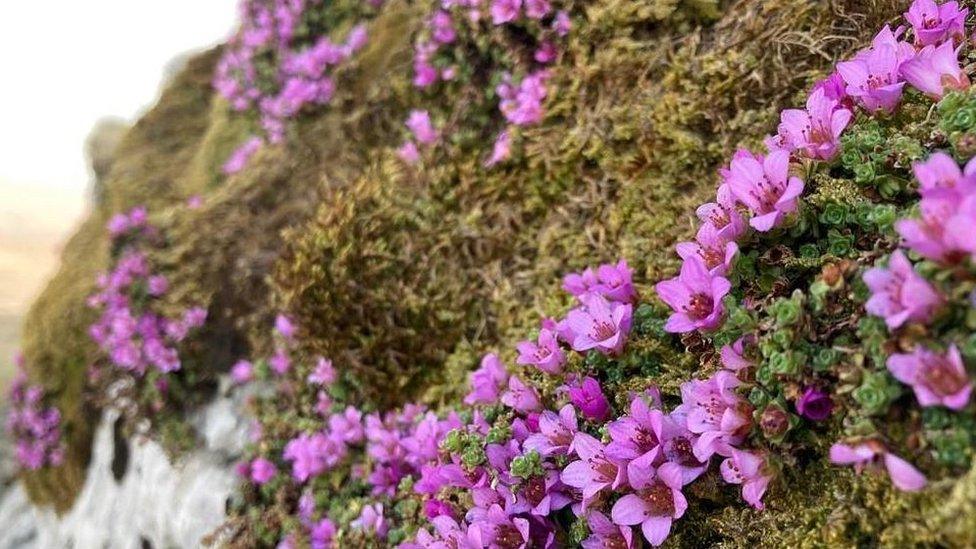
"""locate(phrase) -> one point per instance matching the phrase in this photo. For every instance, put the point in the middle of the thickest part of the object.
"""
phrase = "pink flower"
(656, 504)
(940, 176)
(242, 372)
(442, 27)
(505, 11)
(695, 296)
(934, 70)
(715, 412)
(324, 373)
(765, 187)
(423, 130)
(733, 356)
(545, 355)
(240, 157)
(899, 294)
(600, 324)
(371, 520)
(934, 24)
(747, 469)
(873, 76)
(589, 398)
(604, 534)
(594, 471)
(714, 250)
(937, 379)
(501, 150)
(285, 327)
(873, 454)
(555, 434)
(522, 104)
(614, 282)
(723, 216)
(262, 470)
(814, 132)
(487, 381)
(537, 9)
(546, 53)
(408, 153)
(929, 235)
(562, 24)
(520, 396)
(280, 362)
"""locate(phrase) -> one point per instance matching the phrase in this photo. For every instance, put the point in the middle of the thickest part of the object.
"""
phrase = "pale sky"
(64, 64)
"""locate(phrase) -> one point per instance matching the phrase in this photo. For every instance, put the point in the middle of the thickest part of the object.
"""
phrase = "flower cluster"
(34, 428)
(278, 66)
(129, 331)
(758, 192)
(520, 100)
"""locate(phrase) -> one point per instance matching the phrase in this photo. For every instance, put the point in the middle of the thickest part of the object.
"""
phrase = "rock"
(133, 495)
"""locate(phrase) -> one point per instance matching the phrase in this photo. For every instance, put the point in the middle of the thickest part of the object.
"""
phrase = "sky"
(65, 64)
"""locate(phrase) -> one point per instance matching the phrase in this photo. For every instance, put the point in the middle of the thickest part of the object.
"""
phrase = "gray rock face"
(133, 495)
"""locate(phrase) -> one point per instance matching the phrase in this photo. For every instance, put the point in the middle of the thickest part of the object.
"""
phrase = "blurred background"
(66, 68)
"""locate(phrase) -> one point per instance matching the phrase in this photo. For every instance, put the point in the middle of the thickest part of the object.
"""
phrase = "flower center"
(939, 376)
(507, 537)
(535, 490)
(660, 500)
(645, 440)
(603, 331)
(699, 306)
(605, 471)
(680, 452)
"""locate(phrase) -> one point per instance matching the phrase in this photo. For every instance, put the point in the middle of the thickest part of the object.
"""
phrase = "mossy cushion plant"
(786, 339)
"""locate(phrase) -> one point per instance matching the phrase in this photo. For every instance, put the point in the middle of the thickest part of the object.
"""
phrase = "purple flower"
(873, 76)
(747, 469)
(487, 381)
(733, 356)
(604, 534)
(280, 362)
(505, 11)
(600, 324)
(589, 398)
(371, 520)
(240, 157)
(501, 150)
(324, 373)
(873, 454)
(695, 296)
(930, 235)
(321, 534)
(285, 327)
(814, 404)
(545, 355)
(940, 177)
(594, 471)
(723, 216)
(522, 104)
(520, 396)
(408, 153)
(442, 27)
(934, 24)
(934, 70)
(714, 250)
(656, 504)
(562, 24)
(937, 379)
(899, 294)
(814, 132)
(242, 372)
(614, 282)
(764, 185)
(546, 53)
(498, 529)
(715, 412)
(638, 437)
(834, 88)
(555, 434)
(262, 470)
(347, 427)
(537, 9)
(308, 454)
(157, 285)
(423, 130)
